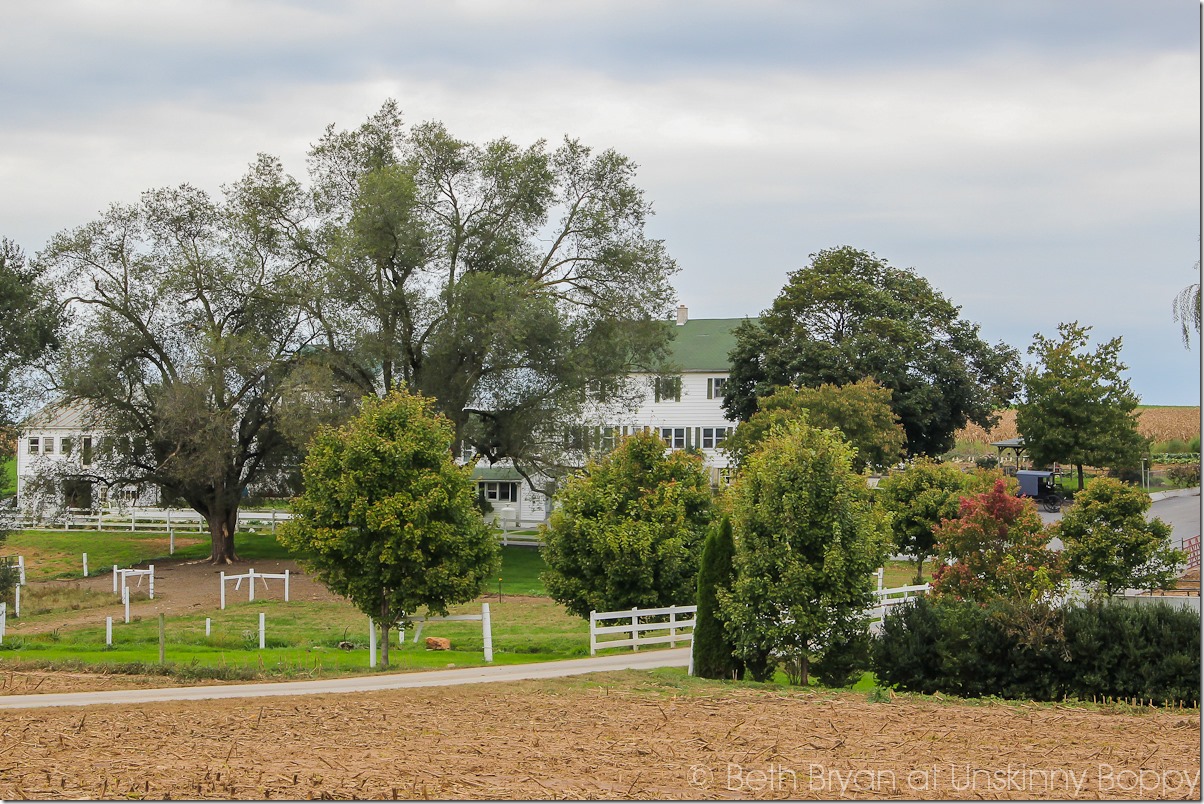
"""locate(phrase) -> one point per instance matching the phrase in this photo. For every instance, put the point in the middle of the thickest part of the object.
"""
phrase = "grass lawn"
(8, 477)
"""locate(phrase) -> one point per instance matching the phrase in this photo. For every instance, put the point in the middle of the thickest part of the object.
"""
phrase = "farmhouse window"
(712, 437)
(667, 389)
(34, 446)
(498, 492)
(48, 445)
(85, 451)
(715, 387)
(675, 437)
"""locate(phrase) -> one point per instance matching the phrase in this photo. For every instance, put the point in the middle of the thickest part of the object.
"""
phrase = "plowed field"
(630, 735)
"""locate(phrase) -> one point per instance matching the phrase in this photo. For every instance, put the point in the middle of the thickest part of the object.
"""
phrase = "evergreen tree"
(713, 650)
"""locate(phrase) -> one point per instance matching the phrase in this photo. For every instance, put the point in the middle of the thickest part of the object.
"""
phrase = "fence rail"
(145, 521)
(637, 622)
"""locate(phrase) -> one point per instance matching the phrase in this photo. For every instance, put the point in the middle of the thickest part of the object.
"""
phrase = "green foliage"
(860, 411)
(713, 649)
(387, 519)
(963, 648)
(845, 659)
(1109, 543)
(627, 531)
(849, 315)
(513, 284)
(999, 550)
(30, 322)
(918, 499)
(1184, 475)
(1077, 407)
(807, 541)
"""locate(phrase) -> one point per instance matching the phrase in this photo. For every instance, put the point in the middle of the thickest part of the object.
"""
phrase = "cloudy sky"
(1036, 161)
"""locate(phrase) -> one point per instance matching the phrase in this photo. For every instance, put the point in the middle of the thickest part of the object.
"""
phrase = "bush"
(1184, 475)
(844, 660)
(1110, 649)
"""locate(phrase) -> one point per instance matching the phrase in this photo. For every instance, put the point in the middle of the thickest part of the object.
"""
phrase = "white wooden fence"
(146, 520)
(125, 574)
(637, 625)
(251, 576)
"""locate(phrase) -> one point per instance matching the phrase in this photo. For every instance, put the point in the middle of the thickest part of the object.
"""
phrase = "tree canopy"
(30, 321)
(627, 531)
(1077, 408)
(185, 331)
(849, 315)
(918, 500)
(513, 284)
(807, 541)
(1108, 542)
(860, 411)
(387, 519)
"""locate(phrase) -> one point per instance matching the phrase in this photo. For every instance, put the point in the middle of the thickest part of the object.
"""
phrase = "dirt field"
(619, 736)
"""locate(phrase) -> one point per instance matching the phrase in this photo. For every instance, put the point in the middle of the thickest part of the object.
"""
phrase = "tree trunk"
(919, 570)
(223, 523)
(1079, 466)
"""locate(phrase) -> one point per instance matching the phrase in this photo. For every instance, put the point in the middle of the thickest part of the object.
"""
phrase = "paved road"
(1182, 513)
(675, 657)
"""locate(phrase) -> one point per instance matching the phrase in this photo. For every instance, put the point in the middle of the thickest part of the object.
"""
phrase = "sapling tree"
(807, 540)
(918, 499)
(387, 519)
(627, 532)
(1109, 543)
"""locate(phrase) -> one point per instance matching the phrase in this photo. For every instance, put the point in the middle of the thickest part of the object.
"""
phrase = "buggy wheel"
(1050, 503)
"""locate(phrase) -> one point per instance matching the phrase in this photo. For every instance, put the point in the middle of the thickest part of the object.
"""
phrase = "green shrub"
(1111, 649)
(844, 660)
(1184, 475)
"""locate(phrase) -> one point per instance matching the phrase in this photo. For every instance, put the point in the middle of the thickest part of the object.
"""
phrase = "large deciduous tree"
(186, 331)
(807, 540)
(514, 284)
(387, 518)
(30, 321)
(849, 315)
(1077, 408)
(1108, 542)
(627, 532)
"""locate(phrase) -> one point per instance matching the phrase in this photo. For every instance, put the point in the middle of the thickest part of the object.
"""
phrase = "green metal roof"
(703, 344)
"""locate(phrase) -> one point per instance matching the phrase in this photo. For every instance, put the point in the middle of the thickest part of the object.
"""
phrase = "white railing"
(636, 625)
(145, 521)
(250, 576)
(520, 539)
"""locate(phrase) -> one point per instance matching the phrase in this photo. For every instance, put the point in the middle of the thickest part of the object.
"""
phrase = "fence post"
(261, 630)
(125, 599)
(208, 626)
(21, 569)
(171, 537)
(17, 606)
(286, 572)
(99, 521)
(371, 643)
(593, 638)
(274, 533)
(487, 629)
(133, 518)
(635, 627)
(881, 576)
(223, 595)
(673, 626)
(109, 632)
(114, 579)
(251, 593)
(85, 565)
(151, 589)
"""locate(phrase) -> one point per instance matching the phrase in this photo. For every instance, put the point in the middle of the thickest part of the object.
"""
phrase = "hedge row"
(961, 648)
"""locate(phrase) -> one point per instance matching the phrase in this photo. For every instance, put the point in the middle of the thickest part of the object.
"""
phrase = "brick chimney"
(683, 314)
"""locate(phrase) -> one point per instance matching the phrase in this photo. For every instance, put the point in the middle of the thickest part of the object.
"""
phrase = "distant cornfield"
(1159, 424)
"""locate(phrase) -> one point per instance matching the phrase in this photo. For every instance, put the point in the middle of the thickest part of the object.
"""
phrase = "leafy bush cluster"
(966, 649)
(1185, 474)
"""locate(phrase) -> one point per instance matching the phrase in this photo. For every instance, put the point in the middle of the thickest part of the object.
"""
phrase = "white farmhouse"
(685, 410)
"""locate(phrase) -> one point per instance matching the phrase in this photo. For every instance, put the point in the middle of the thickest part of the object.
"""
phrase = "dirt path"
(181, 587)
(614, 736)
